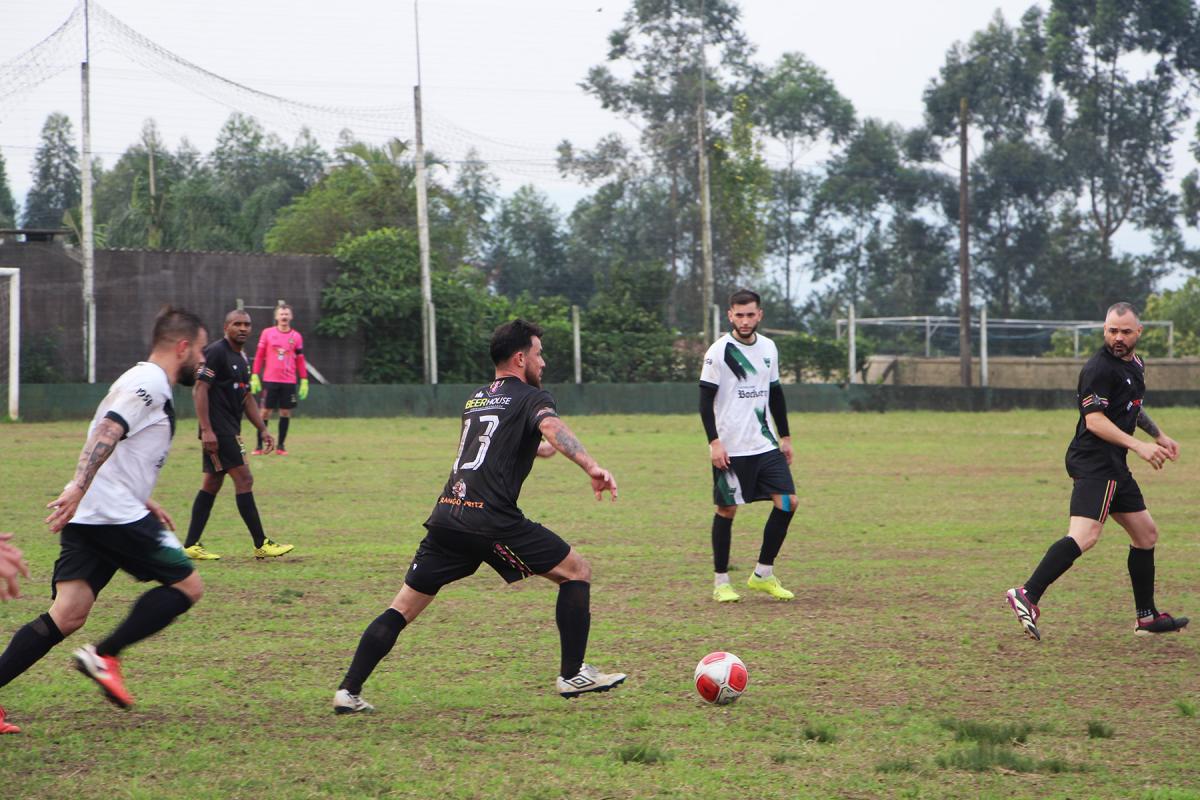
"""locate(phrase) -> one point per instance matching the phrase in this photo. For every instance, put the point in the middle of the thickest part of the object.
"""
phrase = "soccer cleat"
(1027, 613)
(258, 452)
(106, 672)
(770, 585)
(589, 679)
(724, 593)
(270, 549)
(281, 452)
(197, 553)
(346, 703)
(7, 727)
(1163, 623)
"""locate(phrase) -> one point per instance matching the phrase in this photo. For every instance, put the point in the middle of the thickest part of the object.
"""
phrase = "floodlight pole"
(964, 253)
(87, 240)
(708, 287)
(427, 318)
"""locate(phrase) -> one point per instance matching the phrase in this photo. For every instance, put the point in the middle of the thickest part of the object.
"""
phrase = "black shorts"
(231, 452)
(446, 555)
(751, 478)
(279, 395)
(144, 549)
(1096, 498)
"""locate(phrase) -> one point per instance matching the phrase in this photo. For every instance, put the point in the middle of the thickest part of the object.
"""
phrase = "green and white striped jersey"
(743, 375)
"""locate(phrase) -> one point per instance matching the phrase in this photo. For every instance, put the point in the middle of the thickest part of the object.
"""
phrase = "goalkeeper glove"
(255, 384)
(304, 388)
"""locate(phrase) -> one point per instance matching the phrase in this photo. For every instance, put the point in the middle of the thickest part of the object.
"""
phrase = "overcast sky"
(502, 76)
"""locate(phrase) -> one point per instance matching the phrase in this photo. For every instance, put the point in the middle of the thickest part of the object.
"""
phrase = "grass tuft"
(1186, 707)
(820, 732)
(897, 765)
(784, 757)
(985, 757)
(988, 733)
(1100, 730)
(642, 754)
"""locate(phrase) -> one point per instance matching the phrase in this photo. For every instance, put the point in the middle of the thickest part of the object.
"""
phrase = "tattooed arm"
(99, 447)
(1154, 432)
(564, 441)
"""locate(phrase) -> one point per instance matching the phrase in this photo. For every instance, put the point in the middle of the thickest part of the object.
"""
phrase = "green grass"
(911, 526)
(1186, 707)
(1099, 730)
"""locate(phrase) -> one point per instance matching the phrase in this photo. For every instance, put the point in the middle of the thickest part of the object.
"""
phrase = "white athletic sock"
(720, 579)
(763, 570)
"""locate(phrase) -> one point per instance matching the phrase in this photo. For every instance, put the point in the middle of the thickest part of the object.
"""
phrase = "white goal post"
(14, 339)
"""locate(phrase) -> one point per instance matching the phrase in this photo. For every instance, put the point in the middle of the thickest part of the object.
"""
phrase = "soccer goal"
(10, 337)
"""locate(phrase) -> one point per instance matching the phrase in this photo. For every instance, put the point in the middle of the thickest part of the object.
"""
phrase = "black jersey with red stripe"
(496, 449)
(1114, 387)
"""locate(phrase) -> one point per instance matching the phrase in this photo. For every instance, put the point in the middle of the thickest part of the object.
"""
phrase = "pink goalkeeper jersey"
(280, 355)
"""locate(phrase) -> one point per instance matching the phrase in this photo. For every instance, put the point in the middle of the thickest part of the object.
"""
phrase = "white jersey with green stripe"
(742, 374)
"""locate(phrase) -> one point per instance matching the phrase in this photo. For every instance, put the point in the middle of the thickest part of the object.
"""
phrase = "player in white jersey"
(108, 521)
(739, 397)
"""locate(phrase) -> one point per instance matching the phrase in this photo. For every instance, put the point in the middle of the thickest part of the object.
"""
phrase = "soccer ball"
(721, 678)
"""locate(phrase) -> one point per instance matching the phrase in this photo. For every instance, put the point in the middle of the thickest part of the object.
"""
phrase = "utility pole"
(706, 301)
(427, 312)
(964, 253)
(87, 245)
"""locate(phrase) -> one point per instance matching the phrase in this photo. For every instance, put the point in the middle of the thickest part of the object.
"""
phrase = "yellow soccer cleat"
(725, 594)
(770, 585)
(197, 553)
(270, 549)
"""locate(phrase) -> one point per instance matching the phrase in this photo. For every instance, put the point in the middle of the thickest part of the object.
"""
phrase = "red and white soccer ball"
(721, 678)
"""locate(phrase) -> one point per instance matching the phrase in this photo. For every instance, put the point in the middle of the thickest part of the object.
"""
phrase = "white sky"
(500, 75)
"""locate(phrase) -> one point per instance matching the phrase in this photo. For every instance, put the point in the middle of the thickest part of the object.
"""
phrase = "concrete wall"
(1177, 374)
(132, 285)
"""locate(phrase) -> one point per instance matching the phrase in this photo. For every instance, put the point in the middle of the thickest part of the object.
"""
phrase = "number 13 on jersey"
(489, 423)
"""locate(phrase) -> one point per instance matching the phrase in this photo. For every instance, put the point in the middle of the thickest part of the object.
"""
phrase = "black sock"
(28, 645)
(249, 511)
(266, 424)
(283, 426)
(774, 532)
(1058, 559)
(1141, 575)
(376, 642)
(201, 508)
(573, 614)
(153, 611)
(722, 536)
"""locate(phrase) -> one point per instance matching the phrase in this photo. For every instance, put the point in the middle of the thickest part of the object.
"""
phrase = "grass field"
(898, 671)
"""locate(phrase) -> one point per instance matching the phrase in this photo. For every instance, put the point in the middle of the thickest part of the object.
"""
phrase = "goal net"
(10, 341)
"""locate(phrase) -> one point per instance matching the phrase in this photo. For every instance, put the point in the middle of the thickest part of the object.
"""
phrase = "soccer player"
(476, 519)
(11, 565)
(739, 386)
(108, 521)
(1111, 386)
(222, 395)
(279, 359)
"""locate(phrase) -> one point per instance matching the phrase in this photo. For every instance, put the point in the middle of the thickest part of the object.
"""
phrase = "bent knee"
(785, 502)
(191, 587)
(728, 512)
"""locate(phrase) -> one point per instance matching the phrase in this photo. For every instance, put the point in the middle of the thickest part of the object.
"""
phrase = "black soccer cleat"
(1026, 610)
(1163, 623)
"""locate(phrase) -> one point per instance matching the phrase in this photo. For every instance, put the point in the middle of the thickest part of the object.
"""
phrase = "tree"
(799, 106)
(1113, 131)
(528, 255)
(55, 175)
(475, 196)
(8, 206)
(741, 187)
(130, 198)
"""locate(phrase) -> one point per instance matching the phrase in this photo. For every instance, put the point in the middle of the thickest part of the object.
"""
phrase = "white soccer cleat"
(346, 703)
(589, 679)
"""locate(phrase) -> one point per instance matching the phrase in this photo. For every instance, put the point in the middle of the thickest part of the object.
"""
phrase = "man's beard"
(187, 374)
(1126, 349)
(753, 331)
(533, 378)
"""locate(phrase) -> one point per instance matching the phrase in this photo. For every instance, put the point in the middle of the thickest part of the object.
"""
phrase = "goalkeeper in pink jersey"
(277, 363)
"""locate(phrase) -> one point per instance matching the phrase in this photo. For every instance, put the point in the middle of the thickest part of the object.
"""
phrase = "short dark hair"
(1123, 308)
(511, 338)
(174, 324)
(743, 296)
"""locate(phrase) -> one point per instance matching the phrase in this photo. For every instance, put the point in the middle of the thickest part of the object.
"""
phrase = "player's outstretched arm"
(100, 445)
(11, 565)
(564, 441)
(1154, 432)
(1104, 428)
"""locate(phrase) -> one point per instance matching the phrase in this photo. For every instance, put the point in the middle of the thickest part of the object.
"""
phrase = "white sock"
(721, 579)
(763, 570)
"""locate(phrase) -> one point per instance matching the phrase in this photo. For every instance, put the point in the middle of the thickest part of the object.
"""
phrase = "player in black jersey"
(222, 395)
(476, 519)
(1111, 386)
